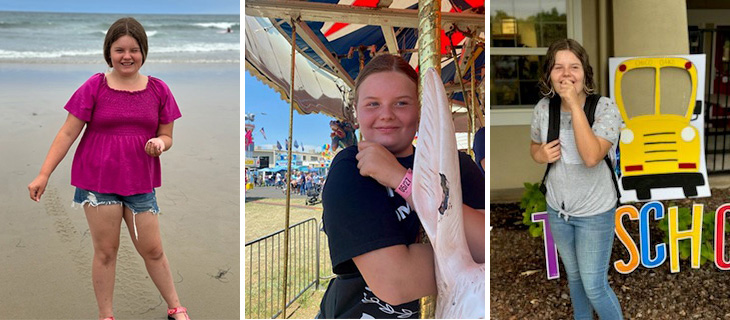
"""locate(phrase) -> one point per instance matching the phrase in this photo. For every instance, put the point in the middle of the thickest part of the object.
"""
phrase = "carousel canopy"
(335, 38)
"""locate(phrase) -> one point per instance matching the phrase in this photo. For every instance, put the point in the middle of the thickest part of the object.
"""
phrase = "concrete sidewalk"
(269, 192)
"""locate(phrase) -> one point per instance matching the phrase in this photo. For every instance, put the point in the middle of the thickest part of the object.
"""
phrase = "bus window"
(676, 88)
(635, 85)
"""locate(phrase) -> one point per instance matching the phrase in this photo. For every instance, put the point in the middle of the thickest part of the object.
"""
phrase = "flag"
(302, 147)
(249, 137)
(278, 145)
(296, 144)
(286, 144)
(263, 133)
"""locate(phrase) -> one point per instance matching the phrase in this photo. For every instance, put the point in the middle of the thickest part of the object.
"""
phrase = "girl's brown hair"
(125, 27)
(546, 87)
(383, 63)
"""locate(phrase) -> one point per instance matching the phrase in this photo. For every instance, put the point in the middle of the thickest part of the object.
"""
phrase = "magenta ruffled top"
(110, 157)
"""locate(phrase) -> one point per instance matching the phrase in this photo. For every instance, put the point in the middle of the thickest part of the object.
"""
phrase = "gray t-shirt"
(572, 188)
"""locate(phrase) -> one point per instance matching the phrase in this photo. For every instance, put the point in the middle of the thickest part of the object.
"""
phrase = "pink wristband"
(404, 189)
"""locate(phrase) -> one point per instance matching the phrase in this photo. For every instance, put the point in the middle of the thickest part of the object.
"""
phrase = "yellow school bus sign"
(660, 152)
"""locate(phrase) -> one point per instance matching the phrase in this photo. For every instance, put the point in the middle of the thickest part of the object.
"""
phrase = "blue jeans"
(584, 245)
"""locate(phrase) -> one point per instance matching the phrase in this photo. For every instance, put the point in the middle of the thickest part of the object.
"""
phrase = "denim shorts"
(138, 203)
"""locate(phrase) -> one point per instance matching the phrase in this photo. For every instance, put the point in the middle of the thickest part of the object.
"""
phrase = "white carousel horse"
(437, 199)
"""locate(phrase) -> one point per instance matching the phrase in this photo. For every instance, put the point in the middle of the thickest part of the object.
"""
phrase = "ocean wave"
(166, 61)
(23, 24)
(217, 25)
(103, 32)
(185, 48)
(177, 26)
(198, 47)
(6, 54)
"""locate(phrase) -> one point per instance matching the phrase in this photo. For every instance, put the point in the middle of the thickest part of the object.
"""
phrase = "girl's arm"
(63, 141)
(382, 166)
(409, 271)
(592, 149)
(162, 142)
(541, 152)
(399, 274)
(546, 152)
(474, 229)
(473, 220)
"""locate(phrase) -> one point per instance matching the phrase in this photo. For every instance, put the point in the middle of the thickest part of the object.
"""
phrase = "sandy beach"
(45, 248)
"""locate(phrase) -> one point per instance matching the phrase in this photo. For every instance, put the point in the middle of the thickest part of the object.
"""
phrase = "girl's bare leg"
(149, 247)
(104, 225)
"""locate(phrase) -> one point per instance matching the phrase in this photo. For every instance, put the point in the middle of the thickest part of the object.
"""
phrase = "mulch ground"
(656, 293)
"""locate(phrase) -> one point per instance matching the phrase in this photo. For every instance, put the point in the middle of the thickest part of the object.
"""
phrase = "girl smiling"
(370, 223)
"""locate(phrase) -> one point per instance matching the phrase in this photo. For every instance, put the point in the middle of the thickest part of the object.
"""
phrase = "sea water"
(36, 37)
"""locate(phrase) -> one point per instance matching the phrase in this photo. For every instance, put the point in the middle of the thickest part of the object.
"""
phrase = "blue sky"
(272, 113)
(128, 6)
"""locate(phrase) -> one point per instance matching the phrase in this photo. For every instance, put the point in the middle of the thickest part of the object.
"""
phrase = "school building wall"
(510, 162)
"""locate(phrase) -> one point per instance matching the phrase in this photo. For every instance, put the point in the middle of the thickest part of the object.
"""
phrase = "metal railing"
(264, 267)
(712, 42)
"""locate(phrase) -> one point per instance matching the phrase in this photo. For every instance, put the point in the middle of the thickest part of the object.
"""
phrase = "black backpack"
(554, 132)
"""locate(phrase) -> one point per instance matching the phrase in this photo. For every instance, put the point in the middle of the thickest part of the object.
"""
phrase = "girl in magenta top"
(109, 158)
(129, 120)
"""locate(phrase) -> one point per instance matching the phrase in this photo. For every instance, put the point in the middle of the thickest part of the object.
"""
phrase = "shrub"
(532, 201)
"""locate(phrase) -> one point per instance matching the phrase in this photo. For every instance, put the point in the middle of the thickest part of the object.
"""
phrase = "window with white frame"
(520, 33)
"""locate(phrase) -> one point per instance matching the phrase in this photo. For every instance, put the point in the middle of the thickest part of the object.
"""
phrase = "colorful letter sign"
(649, 253)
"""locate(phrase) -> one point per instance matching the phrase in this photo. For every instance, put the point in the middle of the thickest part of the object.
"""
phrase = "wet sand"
(46, 249)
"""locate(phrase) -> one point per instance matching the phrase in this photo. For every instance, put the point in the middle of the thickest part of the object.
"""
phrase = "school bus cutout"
(659, 150)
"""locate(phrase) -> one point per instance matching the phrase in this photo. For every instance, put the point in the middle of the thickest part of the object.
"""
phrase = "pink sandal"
(108, 318)
(177, 310)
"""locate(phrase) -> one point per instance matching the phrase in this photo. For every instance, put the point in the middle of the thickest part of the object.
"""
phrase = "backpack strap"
(554, 131)
(590, 108)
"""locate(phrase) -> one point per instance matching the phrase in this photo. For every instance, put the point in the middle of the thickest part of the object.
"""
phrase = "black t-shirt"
(361, 215)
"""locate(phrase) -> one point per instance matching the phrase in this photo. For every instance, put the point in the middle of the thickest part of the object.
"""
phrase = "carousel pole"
(473, 98)
(470, 118)
(288, 167)
(429, 56)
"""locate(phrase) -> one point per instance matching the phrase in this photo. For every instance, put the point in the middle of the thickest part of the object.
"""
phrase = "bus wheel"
(690, 191)
(643, 194)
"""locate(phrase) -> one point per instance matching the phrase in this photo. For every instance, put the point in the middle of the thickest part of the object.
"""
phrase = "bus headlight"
(688, 134)
(627, 136)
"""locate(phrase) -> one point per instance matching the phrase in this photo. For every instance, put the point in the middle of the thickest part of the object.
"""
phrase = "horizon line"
(148, 13)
